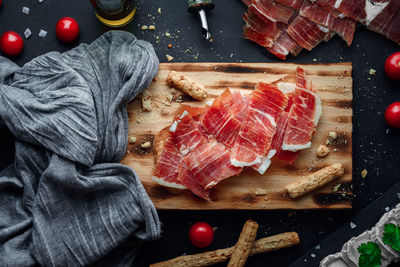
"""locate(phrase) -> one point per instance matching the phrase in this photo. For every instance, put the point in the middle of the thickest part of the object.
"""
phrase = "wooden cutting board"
(250, 190)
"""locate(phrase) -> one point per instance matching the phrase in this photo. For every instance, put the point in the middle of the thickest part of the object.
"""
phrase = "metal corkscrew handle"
(201, 7)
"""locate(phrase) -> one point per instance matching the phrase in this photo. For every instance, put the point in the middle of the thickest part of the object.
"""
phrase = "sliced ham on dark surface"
(284, 45)
(275, 10)
(304, 115)
(387, 22)
(345, 27)
(207, 159)
(306, 33)
(258, 127)
(329, 6)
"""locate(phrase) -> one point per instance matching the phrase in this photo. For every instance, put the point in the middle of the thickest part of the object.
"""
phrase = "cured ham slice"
(344, 27)
(303, 116)
(387, 22)
(207, 159)
(259, 27)
(266, 104)
(329, 6)
(223, 118)
(284, 45)
(274, 10)
(306, 33)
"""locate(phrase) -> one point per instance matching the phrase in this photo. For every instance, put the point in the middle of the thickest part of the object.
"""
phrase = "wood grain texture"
(250, 190)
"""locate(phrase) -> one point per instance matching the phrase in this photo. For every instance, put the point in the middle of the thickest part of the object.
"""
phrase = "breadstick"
(315, 180)
(262, 245)
(244, 244)
(188, 86)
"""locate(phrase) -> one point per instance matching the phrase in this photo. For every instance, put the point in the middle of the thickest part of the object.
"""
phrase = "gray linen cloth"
(66, 201)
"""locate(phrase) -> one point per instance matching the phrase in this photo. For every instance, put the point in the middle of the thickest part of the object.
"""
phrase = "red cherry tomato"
(11, 43)
(201, 234)
(0, 2)
(392, 66)
(67, 29)
(392, 115)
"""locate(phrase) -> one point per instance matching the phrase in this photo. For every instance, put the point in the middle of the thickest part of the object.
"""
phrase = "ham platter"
(238, 90)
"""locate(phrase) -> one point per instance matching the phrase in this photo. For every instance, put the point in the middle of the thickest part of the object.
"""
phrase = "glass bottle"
(114, 13)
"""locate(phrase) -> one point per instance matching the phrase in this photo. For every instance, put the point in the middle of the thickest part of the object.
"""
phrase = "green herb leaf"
(391, 236)
(370, 255)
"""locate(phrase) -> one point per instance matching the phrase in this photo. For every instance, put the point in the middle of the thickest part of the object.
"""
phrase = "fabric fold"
(66, 200)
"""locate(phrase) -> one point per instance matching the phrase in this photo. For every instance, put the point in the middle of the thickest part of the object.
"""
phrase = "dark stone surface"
(375, 148)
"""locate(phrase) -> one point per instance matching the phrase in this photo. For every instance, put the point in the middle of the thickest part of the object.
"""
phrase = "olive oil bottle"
(114, 13)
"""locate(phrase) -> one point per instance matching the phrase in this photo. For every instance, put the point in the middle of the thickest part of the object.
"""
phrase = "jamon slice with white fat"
(266, 104)
(387, 22)
(284, 45)
(223, 118)
(306, 33)
(207, 159)
(304, 115)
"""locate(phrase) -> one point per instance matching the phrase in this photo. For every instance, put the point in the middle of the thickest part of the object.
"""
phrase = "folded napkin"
(66, 200)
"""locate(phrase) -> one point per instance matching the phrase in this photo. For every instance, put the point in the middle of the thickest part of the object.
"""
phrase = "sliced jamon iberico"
(304, 115)
(306, 33)
(387, 22)
(258, 127)
(284, 45)
(207, 159)
(220, 119)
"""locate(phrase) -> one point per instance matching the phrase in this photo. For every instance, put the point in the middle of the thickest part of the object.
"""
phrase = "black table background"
(375, 148)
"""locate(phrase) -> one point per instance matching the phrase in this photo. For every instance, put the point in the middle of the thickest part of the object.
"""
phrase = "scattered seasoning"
(146, 145)
(42, 33)
(27, 33)
(352, 225)
(170, 46)
(398, 195)
(25, 10)
(314, 59)
(169, 58)
(372, 71)
(159, 10)
(152, 27)
(132, 140)
(318, 247)
(387, 209)
(336, 188)
(312, 255)
(364, 173)
(168, 34)
(333, 135)
(144, 27)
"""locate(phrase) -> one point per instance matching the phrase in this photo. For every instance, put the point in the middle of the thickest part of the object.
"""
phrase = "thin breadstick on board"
(244, 244)
(178, 81)
(262, 245)
(315, 180)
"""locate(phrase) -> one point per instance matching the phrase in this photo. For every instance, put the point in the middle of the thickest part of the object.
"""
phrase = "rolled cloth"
(66, 200)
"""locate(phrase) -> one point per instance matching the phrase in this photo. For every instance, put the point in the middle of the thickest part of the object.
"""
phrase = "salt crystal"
(387, 209)
(387, 131)
(318, 247)
(352, 225)
(42, 33)
(398, 195)
(25, 10)
(27, 33)
(40, 1)
(313, 255)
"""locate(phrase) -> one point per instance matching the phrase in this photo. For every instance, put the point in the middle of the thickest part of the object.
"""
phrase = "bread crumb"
(146, 145)
(372, 71)
(260, 192)
(333, 135)
(132, 140)
(169, 58)
(322, 151)
(336, 187)
(327, 142)
(144, 27)
(364, 173)
(146, 101)
(168, 34)
(159, 10)
(152, 27)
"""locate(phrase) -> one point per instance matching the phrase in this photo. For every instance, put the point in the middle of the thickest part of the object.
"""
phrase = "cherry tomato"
(392, 66)
(11, 43)
(0, 2)
(392, 115)
(201, 234)
(67, 29)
